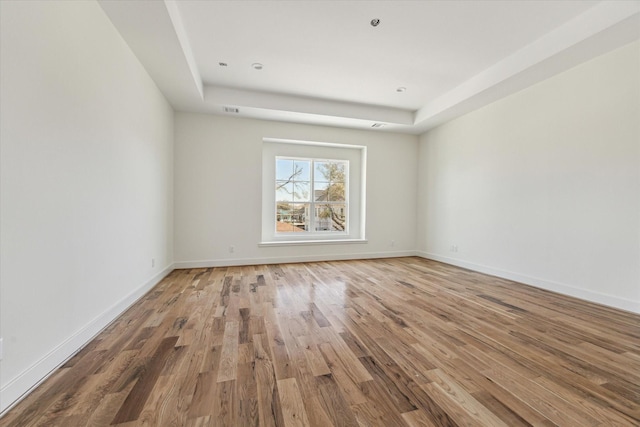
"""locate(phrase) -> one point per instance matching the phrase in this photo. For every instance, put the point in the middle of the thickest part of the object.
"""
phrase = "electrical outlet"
(393, 243)
(153, 262)
(454, 248)
(232, 249)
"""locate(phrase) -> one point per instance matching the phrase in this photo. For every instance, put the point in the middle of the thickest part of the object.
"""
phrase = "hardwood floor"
(393, 342)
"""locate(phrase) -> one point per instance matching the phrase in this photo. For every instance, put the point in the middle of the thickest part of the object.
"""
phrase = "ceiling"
(323, 62)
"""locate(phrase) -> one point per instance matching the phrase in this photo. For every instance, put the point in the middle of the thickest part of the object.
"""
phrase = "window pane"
(330, 217)
(329, 192)
(321, 171)
(291, 217)
(284, 169)
(283, 216)
(320, 191)
(284, 191)
(301, 191)
(300, 216)
(287, 227)
(330, 171)
(336, 192)
(302, 169)
(283, 212)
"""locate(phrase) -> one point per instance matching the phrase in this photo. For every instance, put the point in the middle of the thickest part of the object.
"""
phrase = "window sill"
(311, 242)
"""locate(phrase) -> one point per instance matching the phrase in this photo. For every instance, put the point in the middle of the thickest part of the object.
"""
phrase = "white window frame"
(355, 155)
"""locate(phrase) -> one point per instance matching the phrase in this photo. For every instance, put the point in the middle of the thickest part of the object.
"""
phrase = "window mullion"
(312, 201)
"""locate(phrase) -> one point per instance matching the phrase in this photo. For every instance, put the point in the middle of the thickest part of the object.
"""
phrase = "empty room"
(319, 213)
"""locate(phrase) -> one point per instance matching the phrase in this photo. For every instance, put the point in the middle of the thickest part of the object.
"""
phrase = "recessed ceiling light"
(375, 22)
(401, 89)
(222, 64)
(256, 66)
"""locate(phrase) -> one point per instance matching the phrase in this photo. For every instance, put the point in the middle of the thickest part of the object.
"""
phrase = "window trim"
(356, 183)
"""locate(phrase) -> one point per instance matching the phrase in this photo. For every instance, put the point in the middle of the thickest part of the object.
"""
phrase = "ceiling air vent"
(230, 110)
(377, 125)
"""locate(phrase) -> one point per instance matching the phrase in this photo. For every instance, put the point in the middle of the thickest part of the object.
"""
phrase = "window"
(312, 192)
(311, 195)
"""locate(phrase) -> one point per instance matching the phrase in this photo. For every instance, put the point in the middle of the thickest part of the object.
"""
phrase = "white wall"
(218, 185)
(86, 183)
(544, 186)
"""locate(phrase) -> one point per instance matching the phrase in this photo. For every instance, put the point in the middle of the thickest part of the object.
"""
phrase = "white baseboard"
(597, 297)
(17, 388)
(289, 259)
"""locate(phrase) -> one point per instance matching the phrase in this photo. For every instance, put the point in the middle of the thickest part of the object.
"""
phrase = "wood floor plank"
(378, 396)
(334, 402)
(312, 398)
(225, 404)
(229, 357)
(203, 394)
(102, 414)
(454, 396)
(134, 403)
(248, 413)
(269, 409)
(388, 342)
(508, 416)
(315, 361)
(551, 406)
(342, 375)
(292, 405)
(390, 384)
(417, 418)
